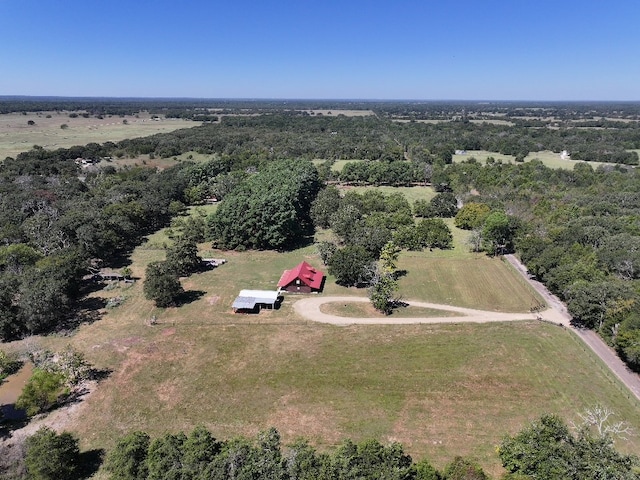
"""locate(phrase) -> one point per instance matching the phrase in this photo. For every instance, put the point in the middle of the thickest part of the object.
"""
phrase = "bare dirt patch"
(123, 344)
(169, 393)
(291, 417)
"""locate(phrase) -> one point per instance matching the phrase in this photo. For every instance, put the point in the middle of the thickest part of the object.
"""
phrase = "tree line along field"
(440, 390)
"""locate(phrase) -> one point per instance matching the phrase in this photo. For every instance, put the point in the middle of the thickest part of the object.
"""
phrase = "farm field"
(440, 390)
(410, 193)
(16, 135)
(550, 159)
(337, 112)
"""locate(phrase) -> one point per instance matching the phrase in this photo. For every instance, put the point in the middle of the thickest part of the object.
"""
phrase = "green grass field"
(411, 193)
(366, 310)
(441, 390)
(550, 159)
(16, 135)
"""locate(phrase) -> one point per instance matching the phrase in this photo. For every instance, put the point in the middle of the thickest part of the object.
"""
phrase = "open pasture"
(345, 112)
(410, 193)
(550, 159)
(16, 135)
(366, 310)
(440, 390)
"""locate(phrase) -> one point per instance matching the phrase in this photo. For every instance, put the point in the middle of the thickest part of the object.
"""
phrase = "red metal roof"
(305, 273)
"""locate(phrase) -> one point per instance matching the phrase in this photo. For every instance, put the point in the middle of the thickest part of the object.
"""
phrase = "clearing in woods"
(16, 135)
(440, 390)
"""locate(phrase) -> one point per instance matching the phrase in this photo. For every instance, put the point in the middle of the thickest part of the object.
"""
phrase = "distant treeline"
(407, 109)
(269, 136)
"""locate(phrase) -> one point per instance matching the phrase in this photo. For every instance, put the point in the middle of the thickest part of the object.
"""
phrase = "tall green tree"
(164, 458)
(161, 285)
(270, 210)
(389, 257)
(444, 205)
(351, 265)
(326, 204)
(381, 292)
(43, 391)
(128, 459)
(182, 256)
(463, 469)
(498, 233)
(198, 450)
(472, 215)
(547, 449)
(52, 456)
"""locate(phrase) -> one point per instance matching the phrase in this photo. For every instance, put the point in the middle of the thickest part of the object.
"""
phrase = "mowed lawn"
(441, 390)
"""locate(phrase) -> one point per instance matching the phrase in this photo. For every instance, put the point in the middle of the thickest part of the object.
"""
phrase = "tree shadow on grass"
(13, 419)
(399, 274)
(190, 296)
(89, 462)
(88, 310)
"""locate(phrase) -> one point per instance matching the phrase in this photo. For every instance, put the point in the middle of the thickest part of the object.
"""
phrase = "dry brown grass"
(17, 136)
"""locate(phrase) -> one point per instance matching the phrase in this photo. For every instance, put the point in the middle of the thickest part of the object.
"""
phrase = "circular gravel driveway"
(310, 308)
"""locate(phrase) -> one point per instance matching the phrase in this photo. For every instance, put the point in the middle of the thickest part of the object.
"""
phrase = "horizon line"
(300, 99)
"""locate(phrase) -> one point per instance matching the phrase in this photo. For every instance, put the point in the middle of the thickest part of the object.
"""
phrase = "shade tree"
(472, 215)
(162, 285)
(52, 456)
(351, 266)
(548, 449)
(270, 210)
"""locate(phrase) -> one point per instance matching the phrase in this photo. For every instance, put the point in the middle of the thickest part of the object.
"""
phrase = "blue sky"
(348, 49)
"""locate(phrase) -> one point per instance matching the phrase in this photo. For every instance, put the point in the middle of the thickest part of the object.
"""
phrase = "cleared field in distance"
(411, 193)
(346, 113)
(550, 159)
(16, 135)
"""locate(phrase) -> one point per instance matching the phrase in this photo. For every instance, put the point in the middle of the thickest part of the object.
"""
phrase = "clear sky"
(330, 49)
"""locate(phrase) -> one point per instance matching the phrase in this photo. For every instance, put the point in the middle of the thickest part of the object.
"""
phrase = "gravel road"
(556, 313)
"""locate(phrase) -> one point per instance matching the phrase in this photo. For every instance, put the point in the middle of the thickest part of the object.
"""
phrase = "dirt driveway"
(630, 379)
(556, 313)
(310, 308)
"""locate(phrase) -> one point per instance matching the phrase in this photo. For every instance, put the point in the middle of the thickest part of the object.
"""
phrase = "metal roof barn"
(250, 299)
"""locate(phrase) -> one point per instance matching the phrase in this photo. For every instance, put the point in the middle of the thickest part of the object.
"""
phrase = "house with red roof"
(303, 279)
